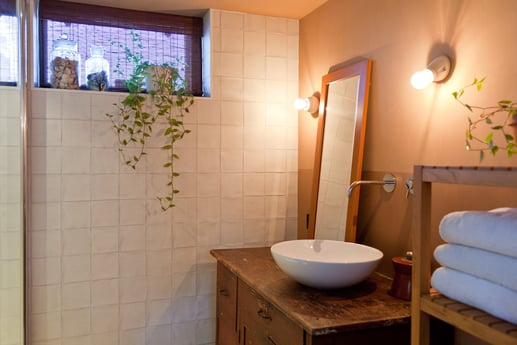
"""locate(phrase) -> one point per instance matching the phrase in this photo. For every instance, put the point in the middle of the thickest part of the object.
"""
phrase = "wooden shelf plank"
(471, 320)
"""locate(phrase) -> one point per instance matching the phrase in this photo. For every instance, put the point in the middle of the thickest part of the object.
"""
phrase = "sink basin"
(326, 264)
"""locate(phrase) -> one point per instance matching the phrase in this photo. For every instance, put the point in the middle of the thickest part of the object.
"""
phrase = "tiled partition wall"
(11, 227)
(106, 265)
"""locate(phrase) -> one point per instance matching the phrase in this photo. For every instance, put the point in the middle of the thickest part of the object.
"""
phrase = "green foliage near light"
(158, 112)
(498, 118)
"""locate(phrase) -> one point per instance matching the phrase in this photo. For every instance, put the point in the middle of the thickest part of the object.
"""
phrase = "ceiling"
(295, 9)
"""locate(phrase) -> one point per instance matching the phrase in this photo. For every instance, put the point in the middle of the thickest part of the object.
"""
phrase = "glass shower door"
(11, 178)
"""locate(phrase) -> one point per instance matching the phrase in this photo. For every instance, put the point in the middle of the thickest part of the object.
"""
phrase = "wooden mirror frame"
(362, 69)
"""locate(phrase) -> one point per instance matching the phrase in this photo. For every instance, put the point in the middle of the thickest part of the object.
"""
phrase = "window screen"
(164, 38)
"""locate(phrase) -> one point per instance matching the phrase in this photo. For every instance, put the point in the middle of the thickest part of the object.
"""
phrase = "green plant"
(137, 116)
(498, 118)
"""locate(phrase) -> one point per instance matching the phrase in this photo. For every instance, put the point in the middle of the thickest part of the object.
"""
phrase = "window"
(9, 59)
(164, 38)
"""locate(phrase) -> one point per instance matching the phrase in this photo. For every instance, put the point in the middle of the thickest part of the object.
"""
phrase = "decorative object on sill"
(310, 104)
(438, 70)
(498, 118)
(136, 117)
(97, 69)
(65, 64)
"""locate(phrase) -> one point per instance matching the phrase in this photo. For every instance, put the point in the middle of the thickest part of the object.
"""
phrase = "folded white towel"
(492, 298)
(494, 230)
(500, 269)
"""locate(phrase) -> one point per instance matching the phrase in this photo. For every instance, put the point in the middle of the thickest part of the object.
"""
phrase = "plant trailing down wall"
(499, 119)
(157, 112)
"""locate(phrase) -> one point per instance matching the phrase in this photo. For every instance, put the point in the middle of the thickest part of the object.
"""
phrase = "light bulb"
(309, 104)
(301, 104)
(420, 79)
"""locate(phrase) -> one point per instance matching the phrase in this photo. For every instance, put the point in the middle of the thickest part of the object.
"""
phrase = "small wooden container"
(401, 286)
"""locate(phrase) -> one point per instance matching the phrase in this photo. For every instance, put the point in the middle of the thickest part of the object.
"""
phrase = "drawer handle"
(263, 313)
(224, 292)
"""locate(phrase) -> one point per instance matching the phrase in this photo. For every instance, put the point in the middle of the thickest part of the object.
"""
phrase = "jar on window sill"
(65, 63)
(97, 69)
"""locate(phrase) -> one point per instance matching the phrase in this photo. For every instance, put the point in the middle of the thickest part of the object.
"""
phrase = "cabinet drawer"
(261, 323)
(226, 304)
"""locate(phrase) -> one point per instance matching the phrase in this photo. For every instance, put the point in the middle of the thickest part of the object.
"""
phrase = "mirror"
(339, 152)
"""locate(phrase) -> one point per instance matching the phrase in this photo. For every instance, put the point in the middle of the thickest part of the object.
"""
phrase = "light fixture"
(437, 71)
(309, 104)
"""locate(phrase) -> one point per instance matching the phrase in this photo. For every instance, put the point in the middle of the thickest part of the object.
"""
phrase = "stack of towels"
(479, 260)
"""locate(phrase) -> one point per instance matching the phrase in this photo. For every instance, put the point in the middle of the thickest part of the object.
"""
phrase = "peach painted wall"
(407, 126)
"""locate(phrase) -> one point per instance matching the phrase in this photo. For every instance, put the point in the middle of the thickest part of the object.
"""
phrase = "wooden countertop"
(366, 305)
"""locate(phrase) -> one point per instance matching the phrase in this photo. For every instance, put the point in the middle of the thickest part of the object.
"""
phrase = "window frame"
(128, 19)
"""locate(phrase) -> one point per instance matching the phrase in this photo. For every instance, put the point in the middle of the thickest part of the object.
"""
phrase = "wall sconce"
(437, 71)
(309, 104)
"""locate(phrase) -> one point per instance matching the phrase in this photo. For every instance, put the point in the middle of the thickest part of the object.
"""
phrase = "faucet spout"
(389, 182)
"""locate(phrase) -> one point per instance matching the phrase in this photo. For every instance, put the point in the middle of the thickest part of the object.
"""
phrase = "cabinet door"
(262, 324)
(226, 304)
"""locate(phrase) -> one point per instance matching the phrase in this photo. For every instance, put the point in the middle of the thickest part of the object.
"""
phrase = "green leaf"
(167, 165)
(488, 138)
(504, 103)
(468, 107)
(166, 147)
(508, 137)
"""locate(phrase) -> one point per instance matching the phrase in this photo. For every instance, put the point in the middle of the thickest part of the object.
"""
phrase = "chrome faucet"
(389, 182)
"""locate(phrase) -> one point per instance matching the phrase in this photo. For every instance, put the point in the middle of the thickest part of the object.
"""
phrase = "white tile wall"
(11, 285)
(107, 266)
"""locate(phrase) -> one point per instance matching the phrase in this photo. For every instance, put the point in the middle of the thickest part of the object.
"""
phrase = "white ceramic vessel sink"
(326, 264)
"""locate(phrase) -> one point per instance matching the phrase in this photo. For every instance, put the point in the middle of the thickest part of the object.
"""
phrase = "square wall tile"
(76, 133)
(105, 239)
(104, 186)
(105, 292)
(132, 264)
(133, 289)
(45, 244)
(76, 241)
(76, 322)
(45, 326)
(159, 287)
(132, 315)
(232, 20)
(132, 238)
(75, 295)
(45, 132)
(105, 318)
(105, 266)
(75, 214)
(76, 268)
(45, 298)
(76, 160)
(45, 271)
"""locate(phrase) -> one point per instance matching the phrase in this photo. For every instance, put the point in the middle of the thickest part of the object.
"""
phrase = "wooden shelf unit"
(425, 302)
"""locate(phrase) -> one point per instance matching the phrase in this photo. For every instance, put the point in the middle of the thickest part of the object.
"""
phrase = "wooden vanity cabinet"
(257, 304)
(226, 306)
(263, 324)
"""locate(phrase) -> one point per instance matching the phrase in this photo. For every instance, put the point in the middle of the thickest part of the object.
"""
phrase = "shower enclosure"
(12, 122)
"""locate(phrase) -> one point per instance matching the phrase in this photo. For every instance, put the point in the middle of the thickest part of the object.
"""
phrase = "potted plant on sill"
(157, 111)
(500, 119)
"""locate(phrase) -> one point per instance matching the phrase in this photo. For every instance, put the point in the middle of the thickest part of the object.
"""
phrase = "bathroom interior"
(88, 257)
